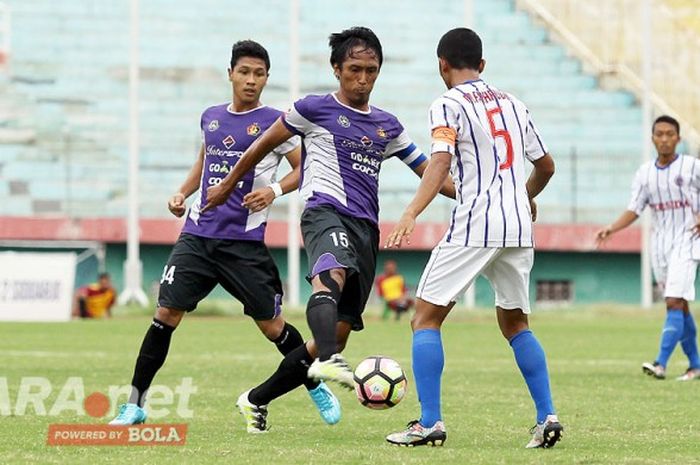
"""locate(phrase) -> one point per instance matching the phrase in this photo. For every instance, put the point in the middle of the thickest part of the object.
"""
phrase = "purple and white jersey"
(342, 152)
(491, 136)
(673, 194)
(225, 136)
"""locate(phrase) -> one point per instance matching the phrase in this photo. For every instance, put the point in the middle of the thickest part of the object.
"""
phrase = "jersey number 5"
(501, 133)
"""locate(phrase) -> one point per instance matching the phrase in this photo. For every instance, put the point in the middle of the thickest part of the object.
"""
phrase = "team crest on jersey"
(229, 141)
(213, 125)
(253, 129)
(679, 180)
(381, 132)
(344, 121)
(366, 141)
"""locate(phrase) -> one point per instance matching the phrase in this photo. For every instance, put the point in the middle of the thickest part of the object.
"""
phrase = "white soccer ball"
(380, 382)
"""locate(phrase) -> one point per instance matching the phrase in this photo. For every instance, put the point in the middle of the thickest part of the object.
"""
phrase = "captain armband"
(445, 135)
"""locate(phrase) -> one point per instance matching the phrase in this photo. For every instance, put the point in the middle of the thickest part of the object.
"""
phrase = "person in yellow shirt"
(391, 287)
(95, 300)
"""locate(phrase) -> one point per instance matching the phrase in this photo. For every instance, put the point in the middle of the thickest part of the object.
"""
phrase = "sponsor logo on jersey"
(679, 180)
(253, 129)
(365, 164)
(670, 205)
(213, 125)
(222, 167)
(351, 144)
(381, 132)
(229, 141)
(215, 151)
(344, 121)
(366, 141)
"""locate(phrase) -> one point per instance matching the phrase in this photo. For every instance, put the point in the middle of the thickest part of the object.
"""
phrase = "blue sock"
(671, 334)
(689, 340)
(428, 361)
(530, 358)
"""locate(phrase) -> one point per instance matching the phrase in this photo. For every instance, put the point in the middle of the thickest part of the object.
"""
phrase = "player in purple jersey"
(226, 246)
(345, 141)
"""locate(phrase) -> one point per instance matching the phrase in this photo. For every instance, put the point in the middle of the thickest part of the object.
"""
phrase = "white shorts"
(680, 278)
(659, 267)
(453, 268)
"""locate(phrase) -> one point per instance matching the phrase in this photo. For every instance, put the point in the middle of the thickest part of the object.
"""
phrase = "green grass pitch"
(612, 413)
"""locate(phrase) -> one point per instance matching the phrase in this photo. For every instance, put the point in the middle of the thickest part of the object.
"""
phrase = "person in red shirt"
(95, 300)
(391, 287)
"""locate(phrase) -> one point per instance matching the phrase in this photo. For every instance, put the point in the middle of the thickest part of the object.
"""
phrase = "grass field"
(612, 413)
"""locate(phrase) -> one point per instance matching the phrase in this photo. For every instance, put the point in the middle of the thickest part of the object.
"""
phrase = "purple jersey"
(225, 136)
(342, 152)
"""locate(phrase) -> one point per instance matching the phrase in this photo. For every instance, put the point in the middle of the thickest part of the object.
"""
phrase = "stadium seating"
(64, 106)
(687, 12)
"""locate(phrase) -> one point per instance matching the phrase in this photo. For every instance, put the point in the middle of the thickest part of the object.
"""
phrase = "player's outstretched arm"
(270, 140)
(627, 218)
(261, 198)
(432, 181)
(448, 188)
(176, 203)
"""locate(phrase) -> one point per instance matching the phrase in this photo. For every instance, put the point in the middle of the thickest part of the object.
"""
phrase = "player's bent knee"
(271, 329)
(169, 316)
(510, 329)
(425, 320)
(429, 316)
(333, 280)
(511, 321)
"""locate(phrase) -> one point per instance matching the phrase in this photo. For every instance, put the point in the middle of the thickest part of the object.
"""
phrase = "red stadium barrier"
(550, 237)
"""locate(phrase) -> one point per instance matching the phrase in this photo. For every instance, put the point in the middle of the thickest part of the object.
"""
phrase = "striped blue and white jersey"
(672, 192)
(491, 135)
(342, 152)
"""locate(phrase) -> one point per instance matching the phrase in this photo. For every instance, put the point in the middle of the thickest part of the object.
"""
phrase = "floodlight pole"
(293, 264)
(647, 60)
(469, 14)
(133, 292)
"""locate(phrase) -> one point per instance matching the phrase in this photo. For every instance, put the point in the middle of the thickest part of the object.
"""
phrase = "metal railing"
(606, 35)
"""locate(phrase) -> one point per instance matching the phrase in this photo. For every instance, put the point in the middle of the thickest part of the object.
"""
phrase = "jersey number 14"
(168, 274)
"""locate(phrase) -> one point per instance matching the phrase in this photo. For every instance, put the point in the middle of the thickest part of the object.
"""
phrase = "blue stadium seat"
(71, 80)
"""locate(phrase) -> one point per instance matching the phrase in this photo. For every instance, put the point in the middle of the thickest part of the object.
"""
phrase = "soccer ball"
(380, 383)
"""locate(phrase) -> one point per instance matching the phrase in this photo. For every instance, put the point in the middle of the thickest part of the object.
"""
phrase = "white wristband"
(277, 189)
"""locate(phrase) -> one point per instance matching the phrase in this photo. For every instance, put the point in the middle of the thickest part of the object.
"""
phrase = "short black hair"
(667, 119)
(343, 42)
(103, 275)
(249, 48)
(461, 48)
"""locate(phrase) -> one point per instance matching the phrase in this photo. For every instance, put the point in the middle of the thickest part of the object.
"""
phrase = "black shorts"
(244, 268)
(333, 240)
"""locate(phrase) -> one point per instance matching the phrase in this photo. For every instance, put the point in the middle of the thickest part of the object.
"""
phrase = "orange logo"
(253, 129)
(106, 435)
